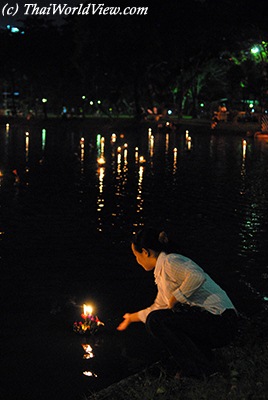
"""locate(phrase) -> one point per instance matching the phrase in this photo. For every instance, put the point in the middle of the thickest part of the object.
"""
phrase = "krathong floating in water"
(101, 160)
(90, 323)
(142, 160)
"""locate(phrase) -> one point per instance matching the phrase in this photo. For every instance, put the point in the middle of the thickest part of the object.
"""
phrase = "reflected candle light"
(27, 142)
(167, 142)
(89, 373)
(125, 156)
(189, 143)
(244, 144)
(136, 154)
(102, 142)
(118, 155)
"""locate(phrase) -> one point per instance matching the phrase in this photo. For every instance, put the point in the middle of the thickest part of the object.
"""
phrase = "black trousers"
(189, 334)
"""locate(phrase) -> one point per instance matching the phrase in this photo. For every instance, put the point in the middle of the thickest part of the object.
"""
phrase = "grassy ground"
(243, 373)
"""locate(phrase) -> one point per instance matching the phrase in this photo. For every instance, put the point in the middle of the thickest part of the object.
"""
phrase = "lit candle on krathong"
(101, 160)
(90, 324)
(87, 310)
(142, 160)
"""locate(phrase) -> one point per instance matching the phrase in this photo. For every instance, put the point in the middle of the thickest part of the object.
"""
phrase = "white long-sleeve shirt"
(178, 276)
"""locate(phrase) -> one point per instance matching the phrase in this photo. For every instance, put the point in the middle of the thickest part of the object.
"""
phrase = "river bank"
(243, 373)
(128, 122)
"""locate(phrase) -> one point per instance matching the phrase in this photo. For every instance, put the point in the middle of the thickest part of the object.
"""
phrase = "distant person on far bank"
(191, 314)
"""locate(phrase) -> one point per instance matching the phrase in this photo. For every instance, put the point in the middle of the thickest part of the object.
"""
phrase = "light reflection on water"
(210, 189)
(178, 170)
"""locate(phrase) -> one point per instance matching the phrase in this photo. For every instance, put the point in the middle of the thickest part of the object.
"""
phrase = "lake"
(71, 197)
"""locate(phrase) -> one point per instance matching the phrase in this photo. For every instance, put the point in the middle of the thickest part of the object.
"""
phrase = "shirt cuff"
(180, 296)
(143, 314)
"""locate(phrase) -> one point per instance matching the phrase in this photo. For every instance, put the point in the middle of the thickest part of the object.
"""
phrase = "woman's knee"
(155, 320)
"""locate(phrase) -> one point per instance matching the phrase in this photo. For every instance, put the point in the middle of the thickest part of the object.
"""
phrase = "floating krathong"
(90, 323)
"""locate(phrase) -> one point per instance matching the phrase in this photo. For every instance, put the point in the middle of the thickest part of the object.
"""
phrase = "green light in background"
(44, 136)
(255, 50)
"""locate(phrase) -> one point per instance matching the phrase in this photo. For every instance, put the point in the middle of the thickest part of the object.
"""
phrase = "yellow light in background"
(167, 142)
(82, 147)
(119, 156)
(136, 154)
(244, 145)
(125, 153)
(189, 143)
(186, 135)
(7, 128)
(151, 145)
(27, 143)
(175, 154)
(113, 138)
(102, 143)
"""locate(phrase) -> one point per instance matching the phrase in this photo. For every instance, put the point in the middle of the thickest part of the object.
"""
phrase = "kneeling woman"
(191, 314)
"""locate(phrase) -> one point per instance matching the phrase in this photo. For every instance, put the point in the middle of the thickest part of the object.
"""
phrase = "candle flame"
(87, 310)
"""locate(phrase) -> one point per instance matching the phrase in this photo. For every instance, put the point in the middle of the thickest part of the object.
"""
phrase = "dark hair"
(156, 240)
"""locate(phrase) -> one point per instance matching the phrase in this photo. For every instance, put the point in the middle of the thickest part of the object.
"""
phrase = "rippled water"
(66, 222)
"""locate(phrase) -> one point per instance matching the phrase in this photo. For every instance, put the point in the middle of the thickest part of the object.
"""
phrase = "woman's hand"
(128, 318)
(172, 301)
(127, 321)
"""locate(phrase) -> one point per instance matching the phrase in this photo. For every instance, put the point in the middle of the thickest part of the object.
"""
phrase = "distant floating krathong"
(90, 323)
(142, 160)
(101, 160)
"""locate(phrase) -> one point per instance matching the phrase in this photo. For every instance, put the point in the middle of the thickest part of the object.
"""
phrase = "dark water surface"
(66, 223)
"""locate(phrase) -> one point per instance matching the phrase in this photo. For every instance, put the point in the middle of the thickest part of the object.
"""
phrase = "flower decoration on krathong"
(90, 323)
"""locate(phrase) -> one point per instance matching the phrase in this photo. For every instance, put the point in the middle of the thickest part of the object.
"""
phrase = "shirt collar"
(159, 264)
